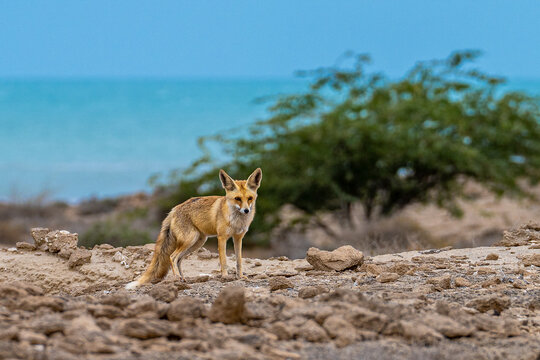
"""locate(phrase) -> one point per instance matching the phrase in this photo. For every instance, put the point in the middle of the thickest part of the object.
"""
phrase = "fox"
(188, 225)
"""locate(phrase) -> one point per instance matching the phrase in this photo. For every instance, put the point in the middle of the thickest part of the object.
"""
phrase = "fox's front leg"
(222, 250)
(238, 252)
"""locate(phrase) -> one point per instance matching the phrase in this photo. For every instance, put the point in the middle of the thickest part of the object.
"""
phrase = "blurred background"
(387, 125)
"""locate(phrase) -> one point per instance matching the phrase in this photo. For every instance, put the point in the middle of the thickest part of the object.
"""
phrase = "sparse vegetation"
(115, 232)
(360, 137)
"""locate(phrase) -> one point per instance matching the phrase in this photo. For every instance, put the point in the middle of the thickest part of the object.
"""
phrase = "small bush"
(116, 233)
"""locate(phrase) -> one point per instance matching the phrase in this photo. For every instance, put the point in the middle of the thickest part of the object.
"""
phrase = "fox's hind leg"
(190, 240)
(200, 242)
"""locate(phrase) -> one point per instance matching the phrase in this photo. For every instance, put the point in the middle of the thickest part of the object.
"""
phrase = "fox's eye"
(250, 198)
(237, 199)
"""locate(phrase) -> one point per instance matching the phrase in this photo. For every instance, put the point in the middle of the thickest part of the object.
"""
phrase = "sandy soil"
(435, 304)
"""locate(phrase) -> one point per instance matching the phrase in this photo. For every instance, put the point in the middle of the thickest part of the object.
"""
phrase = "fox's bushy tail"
(159, 266)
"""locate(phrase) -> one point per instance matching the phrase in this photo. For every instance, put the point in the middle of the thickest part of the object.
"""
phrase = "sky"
(203, 38)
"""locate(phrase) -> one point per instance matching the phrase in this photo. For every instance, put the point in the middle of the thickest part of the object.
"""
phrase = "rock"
(9, 333)
(345, 257)
(144, 304)
(81, 324)
(311, 291)
(186, 307)
(521, 236)
(205, 254)
(313, 332)
(365, 319)
(65, 253)
(279, 282)
(108, 311)
(447, 326)
(165, 292)
(441, 282)
(32, 303)
(462, 282)
(533, 259)
(32, 337)
(282, 330)
(372, 268)
(118, 257)
(492, 256)
(490, 302)
(144, 328)
(119, 299)
(339, 329)
(228, 308)
(79, 257)
(48, 324)
(401, 268)
(519, 284)
(39, 234)
(24, 246)
(61, 239)
(414, 331)
(387, 277)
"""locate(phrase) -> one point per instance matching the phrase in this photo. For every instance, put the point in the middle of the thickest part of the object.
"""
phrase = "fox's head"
(241, 194)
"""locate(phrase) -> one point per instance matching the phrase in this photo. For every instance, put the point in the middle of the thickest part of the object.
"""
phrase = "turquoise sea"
(103, 137)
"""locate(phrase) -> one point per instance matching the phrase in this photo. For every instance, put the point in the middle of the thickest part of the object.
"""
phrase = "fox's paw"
(241, 277)
(132, 285)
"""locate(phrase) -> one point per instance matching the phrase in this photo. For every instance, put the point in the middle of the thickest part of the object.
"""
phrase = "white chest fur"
(239, 223)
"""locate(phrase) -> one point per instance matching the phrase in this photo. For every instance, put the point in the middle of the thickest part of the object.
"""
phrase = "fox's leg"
(222, 250)
(189, 240)
(238, 252)
(198, 244)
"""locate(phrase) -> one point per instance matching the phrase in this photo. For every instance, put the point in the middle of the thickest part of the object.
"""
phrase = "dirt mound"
(432, 304)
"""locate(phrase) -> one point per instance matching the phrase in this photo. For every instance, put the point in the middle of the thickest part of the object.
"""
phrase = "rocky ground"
(58, 301)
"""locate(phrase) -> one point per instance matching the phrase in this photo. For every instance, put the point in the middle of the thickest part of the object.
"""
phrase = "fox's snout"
(246, 211)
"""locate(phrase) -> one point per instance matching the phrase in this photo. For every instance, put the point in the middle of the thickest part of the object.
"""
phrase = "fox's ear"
(226, 181)
(254, 180)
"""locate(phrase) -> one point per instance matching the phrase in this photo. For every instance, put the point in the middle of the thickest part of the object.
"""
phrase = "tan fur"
(188, 226)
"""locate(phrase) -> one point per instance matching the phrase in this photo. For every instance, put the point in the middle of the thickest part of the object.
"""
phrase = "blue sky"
(258, 38)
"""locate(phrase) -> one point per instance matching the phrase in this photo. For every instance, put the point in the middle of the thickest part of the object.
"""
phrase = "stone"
(228, 308)
(279, 282)
(119, 299)
(366, 319)
(108, 311)
(533, 259)
(414, 331)
(32, 337)
(340, 329)
(519, 284)
(387, 277)
(205, 254)
(144, 328)
(165, 292)
(313, 332)
(372, 268)
(39, 234)
(490, 302)
(345, 257)
(61, 239)
(142, 305)
(282, 330)
(492, 256)
(521, 236)
(32, 303)
(311, 291)
(462, 282)
(400, 268)
(186, 307)
(447, 326)
(24, 246)
(441, 282)
(79, 257)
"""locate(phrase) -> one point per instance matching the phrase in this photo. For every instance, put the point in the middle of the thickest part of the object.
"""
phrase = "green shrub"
(360, 137)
